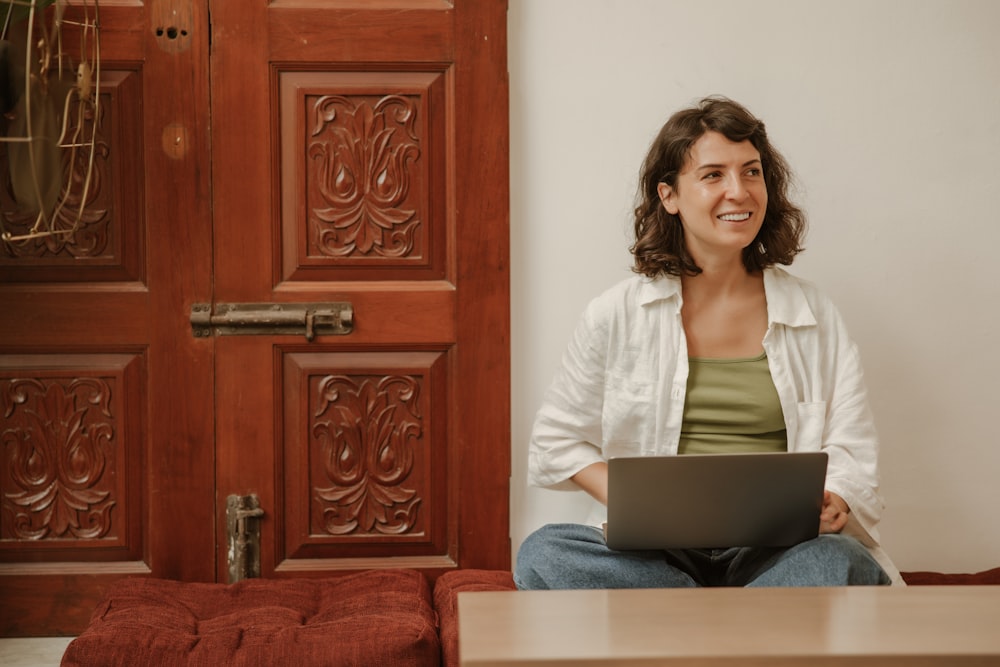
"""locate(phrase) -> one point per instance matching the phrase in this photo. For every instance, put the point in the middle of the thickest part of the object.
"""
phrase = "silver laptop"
(713, 501)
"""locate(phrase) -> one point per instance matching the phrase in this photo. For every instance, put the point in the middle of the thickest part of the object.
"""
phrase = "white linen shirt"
(621, 387)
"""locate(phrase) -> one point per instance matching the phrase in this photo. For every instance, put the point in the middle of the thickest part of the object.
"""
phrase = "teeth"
(735, 217)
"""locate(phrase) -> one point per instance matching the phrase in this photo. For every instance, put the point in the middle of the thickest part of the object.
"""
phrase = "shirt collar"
(786, 302)
(661, 287)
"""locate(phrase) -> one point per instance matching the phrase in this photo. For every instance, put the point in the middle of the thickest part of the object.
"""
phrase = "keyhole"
(171, 32)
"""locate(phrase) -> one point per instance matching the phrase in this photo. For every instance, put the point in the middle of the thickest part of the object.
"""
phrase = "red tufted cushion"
(447, 587)
(987, 577)
(382, 617)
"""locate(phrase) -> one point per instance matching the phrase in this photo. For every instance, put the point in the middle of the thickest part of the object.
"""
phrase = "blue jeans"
(572, 556)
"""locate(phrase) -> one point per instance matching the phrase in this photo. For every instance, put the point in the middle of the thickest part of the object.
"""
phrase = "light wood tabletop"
(893, 626)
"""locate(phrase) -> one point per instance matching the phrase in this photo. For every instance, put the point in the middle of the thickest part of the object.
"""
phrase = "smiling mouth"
(735, 217)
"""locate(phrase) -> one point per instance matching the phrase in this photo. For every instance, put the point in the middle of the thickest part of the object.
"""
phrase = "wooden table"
(915, 626)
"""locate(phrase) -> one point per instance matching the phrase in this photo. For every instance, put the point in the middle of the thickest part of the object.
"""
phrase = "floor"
(32, 651)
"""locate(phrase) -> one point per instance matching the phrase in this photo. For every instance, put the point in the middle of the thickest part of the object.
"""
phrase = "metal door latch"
(255, 319)
(243, 530)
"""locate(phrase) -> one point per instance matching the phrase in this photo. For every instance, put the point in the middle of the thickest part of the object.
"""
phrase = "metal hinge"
(243, 529)
(255, 319)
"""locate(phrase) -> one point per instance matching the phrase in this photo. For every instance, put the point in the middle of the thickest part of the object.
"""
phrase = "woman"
(712, 348)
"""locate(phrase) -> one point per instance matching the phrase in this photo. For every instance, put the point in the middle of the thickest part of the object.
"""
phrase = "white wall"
(889, 112)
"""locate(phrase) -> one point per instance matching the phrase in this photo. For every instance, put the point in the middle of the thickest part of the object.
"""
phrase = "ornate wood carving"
(363, 182)
(366, 430)
(58, 450)
(361, 155)
(364, 458)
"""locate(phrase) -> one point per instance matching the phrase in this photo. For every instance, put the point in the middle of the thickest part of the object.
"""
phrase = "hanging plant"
(33, 96)
(18, 10)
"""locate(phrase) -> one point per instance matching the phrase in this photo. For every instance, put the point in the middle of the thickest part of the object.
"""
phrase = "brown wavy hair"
(659, 237)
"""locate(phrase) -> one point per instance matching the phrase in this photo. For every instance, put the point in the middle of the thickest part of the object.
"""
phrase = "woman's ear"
(667, 198)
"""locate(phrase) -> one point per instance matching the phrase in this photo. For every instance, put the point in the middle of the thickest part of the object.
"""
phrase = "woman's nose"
(736, 189)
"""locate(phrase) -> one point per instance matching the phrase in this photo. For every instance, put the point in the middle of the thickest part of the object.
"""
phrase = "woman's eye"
(754, 172)
(711, 174)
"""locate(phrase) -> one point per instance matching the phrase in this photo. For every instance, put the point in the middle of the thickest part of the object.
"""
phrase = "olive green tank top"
(731, 406)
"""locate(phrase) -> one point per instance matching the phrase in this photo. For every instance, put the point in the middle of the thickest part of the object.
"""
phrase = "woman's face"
(720, 196)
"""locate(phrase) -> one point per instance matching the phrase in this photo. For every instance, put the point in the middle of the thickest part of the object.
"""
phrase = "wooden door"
(359, 156)
(106, 420)
(123, 433)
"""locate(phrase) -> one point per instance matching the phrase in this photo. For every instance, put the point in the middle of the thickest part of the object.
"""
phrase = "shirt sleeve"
(567, 434)
(850, 437)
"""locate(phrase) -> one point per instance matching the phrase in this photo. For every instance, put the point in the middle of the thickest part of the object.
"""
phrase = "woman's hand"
(833, 516)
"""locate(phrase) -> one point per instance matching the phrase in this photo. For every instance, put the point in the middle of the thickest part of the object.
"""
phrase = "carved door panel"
(347, 150)
(359, 155)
